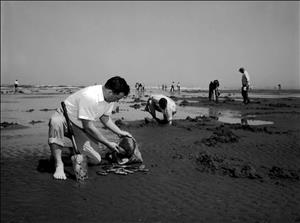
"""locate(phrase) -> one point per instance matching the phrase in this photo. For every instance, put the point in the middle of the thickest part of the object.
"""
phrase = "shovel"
(79, 161)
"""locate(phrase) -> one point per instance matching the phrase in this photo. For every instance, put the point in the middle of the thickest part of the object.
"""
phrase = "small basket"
(80, 167)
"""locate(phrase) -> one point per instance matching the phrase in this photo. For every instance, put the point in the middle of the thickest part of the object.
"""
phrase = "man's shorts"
(85, 143)
(57, 128)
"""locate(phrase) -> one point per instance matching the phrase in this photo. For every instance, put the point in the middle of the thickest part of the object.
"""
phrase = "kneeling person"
(84, 107)
(163, 104)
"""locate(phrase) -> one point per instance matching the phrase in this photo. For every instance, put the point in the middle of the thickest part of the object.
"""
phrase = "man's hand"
(114, 147)
(125, 134)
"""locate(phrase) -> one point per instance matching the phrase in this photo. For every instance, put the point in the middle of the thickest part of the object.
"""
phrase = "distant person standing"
(178, 87)
(16, 85)
(213, 92)
(172, 89)
(279, 88)
(245, 85)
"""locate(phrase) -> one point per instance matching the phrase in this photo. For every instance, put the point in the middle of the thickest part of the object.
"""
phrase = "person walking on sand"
(245, 85)
(84, 107)
(213, 92)
(163, 104)
(16, 85)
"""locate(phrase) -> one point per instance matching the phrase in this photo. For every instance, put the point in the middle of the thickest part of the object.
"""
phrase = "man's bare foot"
(59, 172)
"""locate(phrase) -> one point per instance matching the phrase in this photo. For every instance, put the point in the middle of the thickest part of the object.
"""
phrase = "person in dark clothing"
(214, 90)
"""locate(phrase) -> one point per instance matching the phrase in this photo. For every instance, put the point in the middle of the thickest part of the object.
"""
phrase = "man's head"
(115, 89)
(242, 70)
(216, 83)
(162, 103)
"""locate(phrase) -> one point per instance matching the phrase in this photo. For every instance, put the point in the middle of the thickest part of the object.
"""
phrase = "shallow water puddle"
(243, 121)
(223, 115)
(235, 117)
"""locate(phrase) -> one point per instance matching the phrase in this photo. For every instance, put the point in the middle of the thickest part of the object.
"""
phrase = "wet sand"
(200, 169)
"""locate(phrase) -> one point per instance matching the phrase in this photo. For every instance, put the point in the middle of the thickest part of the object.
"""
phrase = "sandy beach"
(207, 167)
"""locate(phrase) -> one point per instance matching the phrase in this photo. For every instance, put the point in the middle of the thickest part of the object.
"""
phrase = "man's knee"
(55, 119)
(94, 160)
(56, 130)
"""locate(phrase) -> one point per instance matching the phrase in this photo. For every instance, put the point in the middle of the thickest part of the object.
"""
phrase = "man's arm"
(160, 121)
(106, 120)
(247, 78)
(92, 130)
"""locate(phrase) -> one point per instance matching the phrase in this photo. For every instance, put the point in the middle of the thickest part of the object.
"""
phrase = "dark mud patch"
(33, 122)
(121, 123)
(135, 106)
(281, 173)
(250, 128)
(48, 109)
(221, 134)
(185, 103)
(174, 98)
(273, 113)
(137, 100)
(232, 167)
(201, 118)
(238, 168)
(279, 105)
(11, 125)
(264, 129)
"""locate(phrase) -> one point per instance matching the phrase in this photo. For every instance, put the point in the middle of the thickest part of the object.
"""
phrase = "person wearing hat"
(245, 85)
(163, 104)
(84, 108)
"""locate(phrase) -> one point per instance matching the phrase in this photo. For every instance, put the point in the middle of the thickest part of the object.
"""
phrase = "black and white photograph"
(150, 111)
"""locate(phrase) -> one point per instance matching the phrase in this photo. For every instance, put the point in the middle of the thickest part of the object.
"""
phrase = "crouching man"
(163, 104)
(84, 107)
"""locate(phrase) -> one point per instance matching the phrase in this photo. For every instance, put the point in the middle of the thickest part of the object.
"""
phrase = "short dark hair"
(216, 82)
(242, 70)
(162, 103)
(118, 85)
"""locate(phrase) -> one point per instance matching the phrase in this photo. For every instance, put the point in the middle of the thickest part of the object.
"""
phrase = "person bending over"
(85, 107)
(214, 90)
(163, 104)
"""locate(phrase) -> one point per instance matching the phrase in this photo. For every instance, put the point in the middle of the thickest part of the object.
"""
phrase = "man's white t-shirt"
(89, 104)
(245, 79)
(171, 106)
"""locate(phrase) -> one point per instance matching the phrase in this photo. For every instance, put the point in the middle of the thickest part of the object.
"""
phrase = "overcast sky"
(83, 43)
